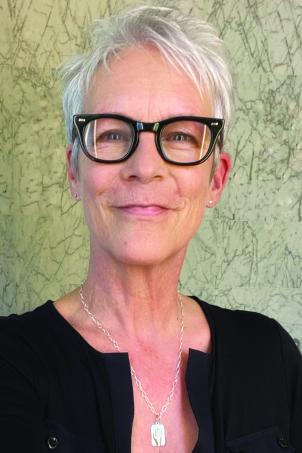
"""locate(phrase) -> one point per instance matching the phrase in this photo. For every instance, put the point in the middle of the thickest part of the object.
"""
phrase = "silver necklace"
(158, 436)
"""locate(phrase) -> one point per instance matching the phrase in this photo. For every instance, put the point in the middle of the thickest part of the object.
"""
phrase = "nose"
(145, 164)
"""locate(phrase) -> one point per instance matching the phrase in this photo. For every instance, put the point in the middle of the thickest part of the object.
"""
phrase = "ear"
(219, 179)
(72, 176)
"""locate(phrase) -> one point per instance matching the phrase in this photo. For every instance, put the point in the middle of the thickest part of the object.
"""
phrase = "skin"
(141, 215)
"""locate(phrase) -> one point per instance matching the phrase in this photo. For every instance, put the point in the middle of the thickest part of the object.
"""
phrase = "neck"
(141, 300)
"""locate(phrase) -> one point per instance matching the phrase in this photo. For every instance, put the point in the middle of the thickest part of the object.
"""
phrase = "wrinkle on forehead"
(141, 84)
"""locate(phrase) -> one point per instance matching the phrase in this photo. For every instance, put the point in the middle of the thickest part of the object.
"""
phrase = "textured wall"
(248, 253)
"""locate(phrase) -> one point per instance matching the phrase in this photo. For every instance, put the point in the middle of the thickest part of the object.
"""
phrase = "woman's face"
(144, 211)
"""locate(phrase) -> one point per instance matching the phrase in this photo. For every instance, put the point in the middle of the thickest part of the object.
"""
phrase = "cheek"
(96, 179)
(195, 188)
(196, 195)
(97, 182)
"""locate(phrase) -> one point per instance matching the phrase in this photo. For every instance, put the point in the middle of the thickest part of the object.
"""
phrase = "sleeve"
(292, 360)
(21, 413)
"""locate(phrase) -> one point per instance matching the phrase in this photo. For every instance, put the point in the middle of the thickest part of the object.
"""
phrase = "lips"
(156, 202)
(149, 210)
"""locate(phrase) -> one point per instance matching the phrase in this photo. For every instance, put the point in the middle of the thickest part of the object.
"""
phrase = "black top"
(58, 393)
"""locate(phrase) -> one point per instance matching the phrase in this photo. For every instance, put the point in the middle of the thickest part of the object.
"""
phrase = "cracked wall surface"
(248, 252)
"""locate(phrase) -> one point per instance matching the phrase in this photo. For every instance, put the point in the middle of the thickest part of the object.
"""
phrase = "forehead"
(141, 83)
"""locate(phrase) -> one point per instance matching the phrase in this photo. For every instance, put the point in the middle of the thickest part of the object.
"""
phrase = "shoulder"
(22, 337)
(233, 316)
(27, 324)
(243, 330)
(230, 319)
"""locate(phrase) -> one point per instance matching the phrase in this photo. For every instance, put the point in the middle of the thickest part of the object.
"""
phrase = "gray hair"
(189, 44)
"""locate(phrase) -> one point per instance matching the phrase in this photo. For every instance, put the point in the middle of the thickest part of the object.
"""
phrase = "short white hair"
(189, 44)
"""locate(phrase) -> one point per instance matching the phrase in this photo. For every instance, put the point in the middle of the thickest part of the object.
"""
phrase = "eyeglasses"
(181, 140)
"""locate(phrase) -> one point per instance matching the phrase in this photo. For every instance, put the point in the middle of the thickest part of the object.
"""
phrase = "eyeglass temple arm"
(220, 141)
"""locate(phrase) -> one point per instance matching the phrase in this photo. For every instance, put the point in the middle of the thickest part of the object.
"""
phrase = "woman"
(126, 363)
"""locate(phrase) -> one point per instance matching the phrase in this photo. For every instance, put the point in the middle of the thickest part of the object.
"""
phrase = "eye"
(111, 136)
(181, 137)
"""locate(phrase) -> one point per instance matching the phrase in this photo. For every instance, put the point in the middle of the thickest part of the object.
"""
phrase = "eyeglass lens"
(185, 141)
(182, 141)
(108, 138)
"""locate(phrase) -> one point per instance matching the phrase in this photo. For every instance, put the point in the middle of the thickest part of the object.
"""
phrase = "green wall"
(248, 253)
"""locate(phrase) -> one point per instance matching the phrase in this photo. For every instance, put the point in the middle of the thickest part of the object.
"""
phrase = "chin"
(141, 256)
(143, 252)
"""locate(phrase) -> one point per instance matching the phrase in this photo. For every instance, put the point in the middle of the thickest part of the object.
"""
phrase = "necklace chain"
(99, 325)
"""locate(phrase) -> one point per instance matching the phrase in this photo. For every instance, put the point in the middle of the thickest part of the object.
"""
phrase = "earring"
(77, 196)
(209, 204)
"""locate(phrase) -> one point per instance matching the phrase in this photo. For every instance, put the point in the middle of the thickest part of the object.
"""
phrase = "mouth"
(150, 210)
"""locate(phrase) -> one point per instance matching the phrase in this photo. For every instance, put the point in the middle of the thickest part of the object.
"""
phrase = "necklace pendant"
(158, 438)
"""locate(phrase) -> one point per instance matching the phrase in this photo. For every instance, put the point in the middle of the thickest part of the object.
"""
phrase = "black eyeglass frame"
(81, 121)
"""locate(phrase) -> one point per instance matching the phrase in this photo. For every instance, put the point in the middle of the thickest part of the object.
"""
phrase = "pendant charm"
(158, 438)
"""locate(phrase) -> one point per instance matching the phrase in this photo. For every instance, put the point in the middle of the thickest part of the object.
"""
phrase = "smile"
(143, 211)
